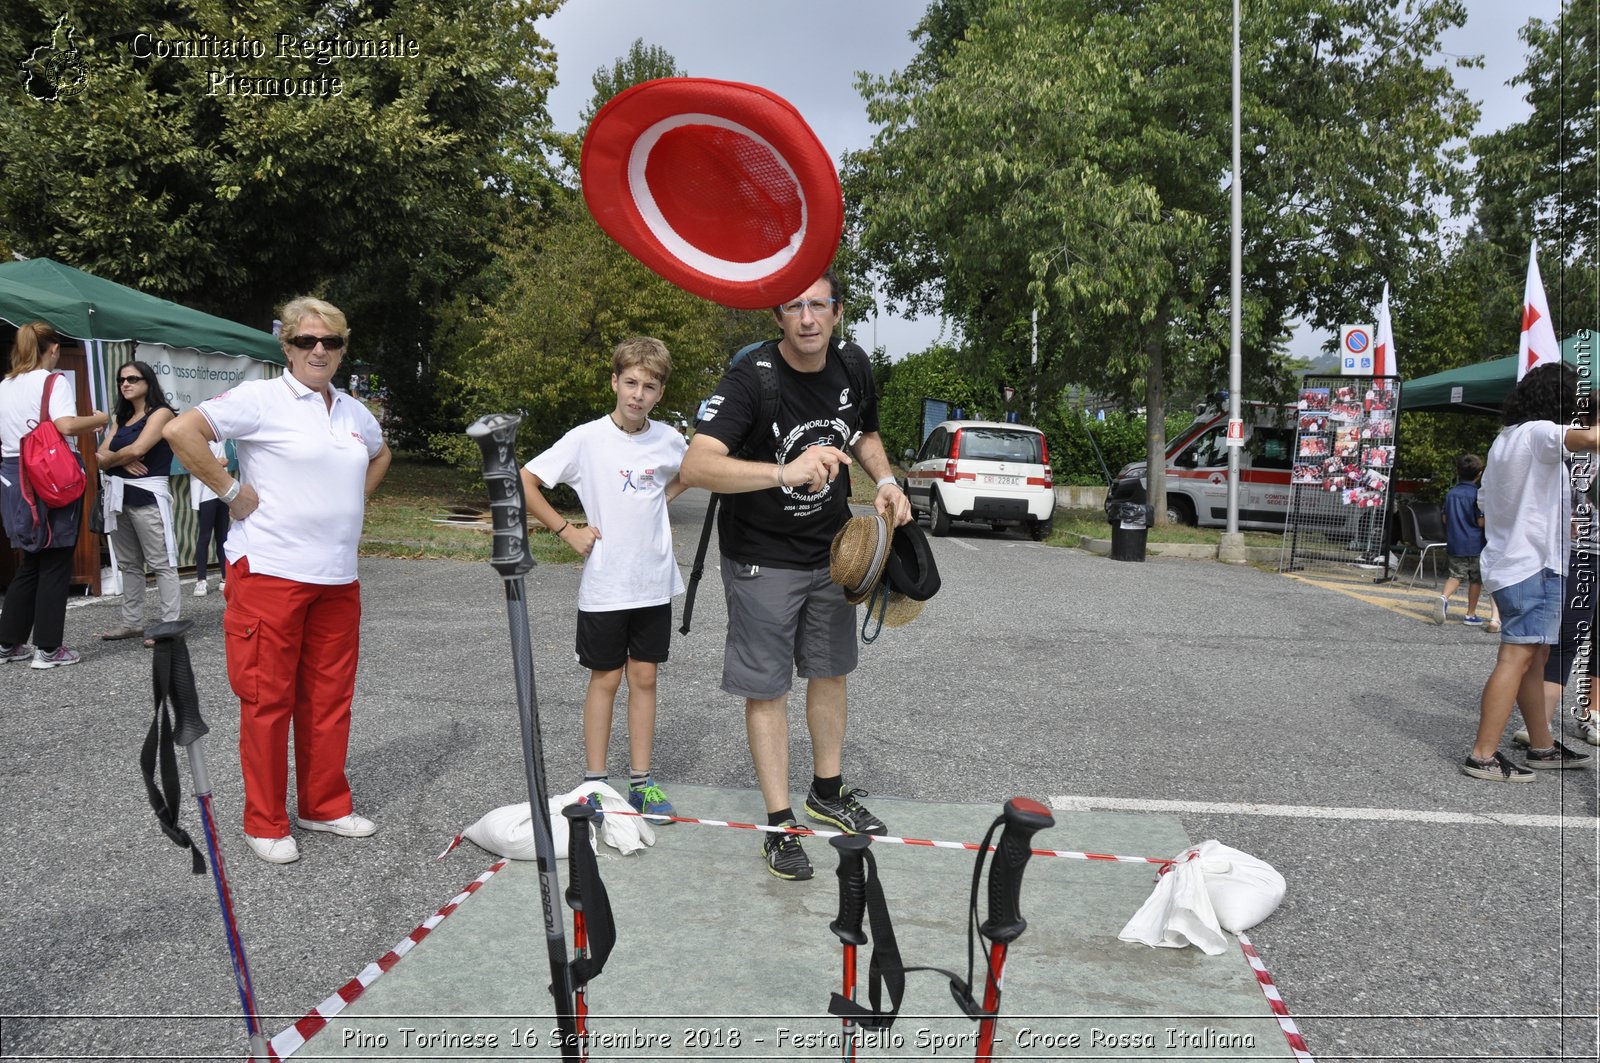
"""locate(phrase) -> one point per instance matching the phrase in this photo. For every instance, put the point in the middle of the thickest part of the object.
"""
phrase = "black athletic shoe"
(785, 858)
(845, 812)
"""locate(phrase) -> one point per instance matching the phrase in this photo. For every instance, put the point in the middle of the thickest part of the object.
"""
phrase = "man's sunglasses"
(309, 343)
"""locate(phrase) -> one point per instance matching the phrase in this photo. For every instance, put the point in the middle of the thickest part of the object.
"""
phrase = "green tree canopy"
(1538, 178)
(229, 156)
(1072, 157)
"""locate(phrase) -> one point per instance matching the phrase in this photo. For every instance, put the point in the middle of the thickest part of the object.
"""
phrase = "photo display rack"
(1345, 448)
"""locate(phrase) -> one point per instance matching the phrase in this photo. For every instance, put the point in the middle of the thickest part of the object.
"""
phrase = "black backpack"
(762, 355)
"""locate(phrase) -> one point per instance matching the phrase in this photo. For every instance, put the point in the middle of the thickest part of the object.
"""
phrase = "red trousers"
(292, 651)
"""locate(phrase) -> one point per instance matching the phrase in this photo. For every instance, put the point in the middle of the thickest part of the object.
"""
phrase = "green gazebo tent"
(1482, 386)
(87, 307)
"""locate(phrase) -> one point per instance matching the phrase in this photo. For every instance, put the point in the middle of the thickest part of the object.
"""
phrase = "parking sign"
(1355, 350)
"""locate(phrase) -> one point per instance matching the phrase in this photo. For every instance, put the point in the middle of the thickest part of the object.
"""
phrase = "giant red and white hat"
(717, 186)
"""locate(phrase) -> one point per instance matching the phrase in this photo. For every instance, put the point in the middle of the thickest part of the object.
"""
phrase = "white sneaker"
(200, 588)
(1588, 730)
(274, 850)
(351, 826)
(1519, 738)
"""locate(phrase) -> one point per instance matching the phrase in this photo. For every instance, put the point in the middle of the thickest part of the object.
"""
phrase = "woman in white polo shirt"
(309, 455)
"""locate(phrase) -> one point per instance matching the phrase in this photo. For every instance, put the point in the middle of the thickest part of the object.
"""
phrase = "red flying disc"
(719, 187)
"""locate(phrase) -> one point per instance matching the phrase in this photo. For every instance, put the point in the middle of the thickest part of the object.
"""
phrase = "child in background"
(1464, 541)
(624, 467)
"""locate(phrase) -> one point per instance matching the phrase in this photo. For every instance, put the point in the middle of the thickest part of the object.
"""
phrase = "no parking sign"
(1355, 350)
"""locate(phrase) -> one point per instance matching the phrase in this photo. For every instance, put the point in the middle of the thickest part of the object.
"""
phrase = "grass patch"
(1071, 523)
(402, 516)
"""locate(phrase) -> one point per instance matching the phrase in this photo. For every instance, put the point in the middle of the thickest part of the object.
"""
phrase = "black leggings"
(213, 519)
(36, 601)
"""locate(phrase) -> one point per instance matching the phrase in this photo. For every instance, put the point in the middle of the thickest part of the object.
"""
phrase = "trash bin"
(1130, 528)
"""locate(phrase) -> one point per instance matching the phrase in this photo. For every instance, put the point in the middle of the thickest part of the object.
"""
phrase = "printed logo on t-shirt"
(818, 433)
(632, 481)
(844, 400)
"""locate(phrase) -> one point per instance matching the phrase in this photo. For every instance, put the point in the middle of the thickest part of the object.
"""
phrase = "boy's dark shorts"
(607, 641)
(1465, 569)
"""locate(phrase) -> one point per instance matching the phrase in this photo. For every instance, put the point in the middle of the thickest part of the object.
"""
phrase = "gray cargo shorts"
(783, 621)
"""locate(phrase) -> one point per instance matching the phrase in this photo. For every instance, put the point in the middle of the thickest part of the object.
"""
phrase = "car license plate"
(1001, 481)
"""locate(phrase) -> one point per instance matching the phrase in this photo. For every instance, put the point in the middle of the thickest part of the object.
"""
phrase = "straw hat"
(859, 556)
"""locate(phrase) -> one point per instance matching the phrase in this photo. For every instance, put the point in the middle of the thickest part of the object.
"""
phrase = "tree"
(1537, 178)
(229, 156)
(566, 295)
(931, 374)
(1072, 158)
(644, 62)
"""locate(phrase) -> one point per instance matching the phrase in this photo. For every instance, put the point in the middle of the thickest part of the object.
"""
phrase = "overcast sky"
(767, 44)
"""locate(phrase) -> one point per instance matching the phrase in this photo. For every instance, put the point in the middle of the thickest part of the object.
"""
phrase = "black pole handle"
(175, 670)
(852, 887)
(1024, 818)
(496, 436)
(579, 816)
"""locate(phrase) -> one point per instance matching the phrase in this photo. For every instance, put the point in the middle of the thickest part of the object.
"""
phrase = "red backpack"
(51, 471)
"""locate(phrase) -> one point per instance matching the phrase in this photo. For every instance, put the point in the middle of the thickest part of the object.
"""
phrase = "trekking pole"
(173, 679)
(1024, 817)
(496, 436)
(852, 908)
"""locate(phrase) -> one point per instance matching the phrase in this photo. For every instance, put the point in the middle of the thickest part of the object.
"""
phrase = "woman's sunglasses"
(309, 343)
(130, 380)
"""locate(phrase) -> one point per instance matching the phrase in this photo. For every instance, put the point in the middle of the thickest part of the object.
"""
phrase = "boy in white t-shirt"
(1526, 502)
(624, 467)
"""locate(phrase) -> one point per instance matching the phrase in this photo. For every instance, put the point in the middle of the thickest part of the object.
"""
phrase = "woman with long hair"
(1526, 499)
(138, 497)
(36, 600)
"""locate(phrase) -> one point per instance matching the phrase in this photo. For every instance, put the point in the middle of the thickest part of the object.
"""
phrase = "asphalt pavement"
(1428, 915)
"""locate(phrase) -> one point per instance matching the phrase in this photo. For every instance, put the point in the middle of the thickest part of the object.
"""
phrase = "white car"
(984, 472)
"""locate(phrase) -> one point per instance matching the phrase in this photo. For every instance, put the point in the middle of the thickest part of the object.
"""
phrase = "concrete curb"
(1194, 551)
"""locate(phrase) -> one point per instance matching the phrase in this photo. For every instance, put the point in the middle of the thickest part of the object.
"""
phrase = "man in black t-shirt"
(783, 507)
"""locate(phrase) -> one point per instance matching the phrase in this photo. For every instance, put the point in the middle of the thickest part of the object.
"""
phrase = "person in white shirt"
(309, 455)
(624, 467)
(1527, 505)
(36, 600)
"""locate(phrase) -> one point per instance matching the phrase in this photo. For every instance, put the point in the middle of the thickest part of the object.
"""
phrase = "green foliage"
(642, 63)
(1072, 157)
(1121, 438)
(564, 295)
(931, 374)
(201, 179)
(1537, 178)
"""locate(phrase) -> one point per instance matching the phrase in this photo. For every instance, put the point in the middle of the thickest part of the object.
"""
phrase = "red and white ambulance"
(1197, 470)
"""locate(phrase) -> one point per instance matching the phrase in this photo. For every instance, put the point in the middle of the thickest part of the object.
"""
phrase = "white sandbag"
(1209, 887)
(1178, 913)
(508, 830)
(1244, 889)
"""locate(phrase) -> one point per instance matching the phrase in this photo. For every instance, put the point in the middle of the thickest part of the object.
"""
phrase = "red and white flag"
(1384, 361)
(1538, 344)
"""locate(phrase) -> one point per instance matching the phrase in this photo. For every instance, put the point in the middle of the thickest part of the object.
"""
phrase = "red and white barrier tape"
(888, 839)
(294, 1038)
(1291, 1032)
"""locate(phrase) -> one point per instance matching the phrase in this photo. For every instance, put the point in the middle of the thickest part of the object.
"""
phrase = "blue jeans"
(1530, 611)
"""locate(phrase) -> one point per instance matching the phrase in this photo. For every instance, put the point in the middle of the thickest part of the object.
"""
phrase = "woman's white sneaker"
(351, 826)
(274, 850)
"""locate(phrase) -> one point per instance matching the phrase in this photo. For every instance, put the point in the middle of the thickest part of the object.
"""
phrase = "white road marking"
(1072, 803)
(964, 544)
